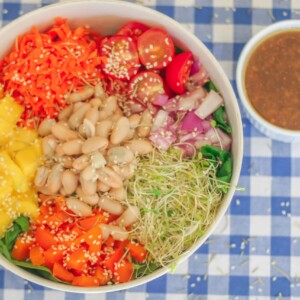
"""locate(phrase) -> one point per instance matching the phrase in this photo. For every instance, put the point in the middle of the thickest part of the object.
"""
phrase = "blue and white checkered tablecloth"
(255, 252)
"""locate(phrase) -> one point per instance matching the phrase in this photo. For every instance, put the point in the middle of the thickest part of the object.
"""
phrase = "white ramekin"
(106, 17)
(274, 132)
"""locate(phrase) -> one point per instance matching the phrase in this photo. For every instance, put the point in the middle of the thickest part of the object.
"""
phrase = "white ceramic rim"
(240, 72)
(238, 131)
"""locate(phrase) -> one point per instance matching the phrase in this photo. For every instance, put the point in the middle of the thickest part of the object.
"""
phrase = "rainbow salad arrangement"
(115, 153)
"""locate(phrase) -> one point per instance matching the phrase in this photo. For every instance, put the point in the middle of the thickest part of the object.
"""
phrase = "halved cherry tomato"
(146, 87)
(119, 57)
(177, 72)
(156, 49)
(133, 29)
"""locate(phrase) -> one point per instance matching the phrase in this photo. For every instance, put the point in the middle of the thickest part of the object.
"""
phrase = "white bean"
(140, 147)
(66, 161)
(109, 177)
(98, 160)
(145, 124)
(93, 144)
(89, 173)
(89, 187)
(116, 232)
(81, 162)
(102, 187)
(77, 117)
(103, 128)
(41, 176)
(49, 145)
(76, 106)
(78, 207)
(69, 181)
(127, 171)
(92, 115)
(45, 127)
(63, 133)
(119, 155)
(110, 105)
(81, 95)
(99, 92)
(129, 216)
(120, 131)
(59, 150)
(89, 199)
(95, 102)
(134, 121)
(54, 179)
(103, 115)
(118, 194)
(112, 206)
(65, 113)
(72, 147)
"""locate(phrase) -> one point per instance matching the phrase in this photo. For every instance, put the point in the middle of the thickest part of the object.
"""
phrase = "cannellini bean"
(119, 155)
(41, 176)
(98, 160)
(65, 113)
(92, 115)
(140, 147)
(102, 187)
(81, 95)
(134, 121)
(129, 216)
(127, 171)
(49, 145)
(62, 191)
(89, 199)
(109, 177)
(89, 173)
(103, 128)
(99, 92)
(63, 133)
(59, 150)
(45, 127)
(81, 162)
(93, 144)
(116, 232)
(77, 117)
(118, 194)
(118, 114)
(117, 169)
(95, 102)
(87, 129)
(78, 207)
(145, 124)
(112, 206)
(67, 162)
(54, 179)
(110, 105)
(72, 147)
(120, 131)
(103, 115)
(89, 187)
(69, 181)
(76, 106)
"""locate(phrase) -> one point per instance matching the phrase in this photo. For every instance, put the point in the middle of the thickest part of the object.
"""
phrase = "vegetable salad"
(115, 153)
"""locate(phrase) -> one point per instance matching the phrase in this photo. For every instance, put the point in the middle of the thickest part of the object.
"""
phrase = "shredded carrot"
(42, 68)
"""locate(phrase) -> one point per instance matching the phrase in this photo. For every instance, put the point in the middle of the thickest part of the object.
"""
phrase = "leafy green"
(37, 270)
(156, 192)
(219, 118)
(144, 269)
(222, 160)
(23, 222)
(219, 113)
(210, 86)
(4, 251)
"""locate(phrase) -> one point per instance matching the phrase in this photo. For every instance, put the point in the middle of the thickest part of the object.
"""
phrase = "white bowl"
(107, 17)
(274, 132)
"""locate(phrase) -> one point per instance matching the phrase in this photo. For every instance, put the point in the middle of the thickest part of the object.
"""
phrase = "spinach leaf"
(219, 118)
(222, 159)
(20, 224)
(4, 251)
(144, 269)
(37, 270)
(210, 86)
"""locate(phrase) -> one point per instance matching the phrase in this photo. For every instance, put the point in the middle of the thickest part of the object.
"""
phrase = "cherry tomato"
(156, 48)
(146, 87)
(133, 29)
(120, 57)
(177, 72)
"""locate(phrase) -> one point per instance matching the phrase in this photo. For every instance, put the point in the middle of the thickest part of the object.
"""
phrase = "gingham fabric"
(255, 252)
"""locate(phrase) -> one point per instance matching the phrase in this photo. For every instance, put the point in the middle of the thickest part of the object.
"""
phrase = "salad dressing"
(272, 79)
